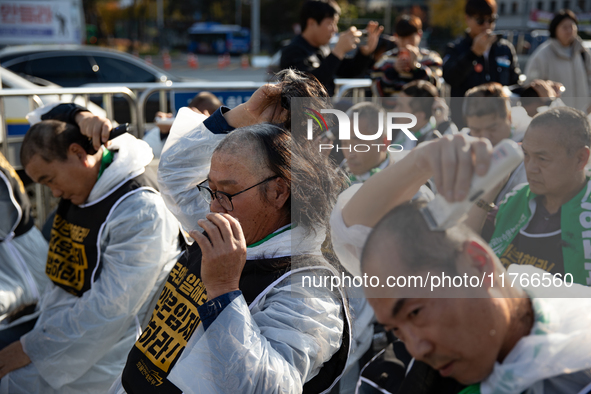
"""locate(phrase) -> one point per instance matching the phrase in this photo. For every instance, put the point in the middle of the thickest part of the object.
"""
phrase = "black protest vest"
(18, 195)
(175, 319)
(73, 260)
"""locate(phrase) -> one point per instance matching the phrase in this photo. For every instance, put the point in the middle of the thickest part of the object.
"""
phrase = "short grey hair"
(571, 126)
(314, 183)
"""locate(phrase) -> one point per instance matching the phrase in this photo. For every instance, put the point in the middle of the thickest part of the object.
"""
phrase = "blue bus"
(212, 37)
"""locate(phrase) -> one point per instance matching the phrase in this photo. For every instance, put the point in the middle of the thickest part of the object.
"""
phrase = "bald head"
(401, 247)
(403, 235)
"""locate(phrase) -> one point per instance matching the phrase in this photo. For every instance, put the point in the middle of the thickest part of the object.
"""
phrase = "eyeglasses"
(224, 199)
(482, 20)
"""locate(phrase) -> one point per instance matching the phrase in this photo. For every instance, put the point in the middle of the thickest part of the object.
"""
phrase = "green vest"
(515, 213)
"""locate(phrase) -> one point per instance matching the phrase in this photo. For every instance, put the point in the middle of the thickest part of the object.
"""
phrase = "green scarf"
(362, 178)
(268, 237)
(515, 213)
(106, 161)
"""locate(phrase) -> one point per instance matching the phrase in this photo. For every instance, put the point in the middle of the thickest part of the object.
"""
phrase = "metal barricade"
(42, 193)
(186, 87)
(137, 104)
(144, 90)
(344, 85)
(136, 95)
(138, 89)
(33, 97)
(357, 86)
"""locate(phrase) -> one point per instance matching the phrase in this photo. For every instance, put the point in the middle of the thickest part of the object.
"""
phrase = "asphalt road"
(208, 69)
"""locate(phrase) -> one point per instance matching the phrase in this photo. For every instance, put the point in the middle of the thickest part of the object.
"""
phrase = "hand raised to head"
(94, 127)
(453, 160)
(263, 106)
(223, 251)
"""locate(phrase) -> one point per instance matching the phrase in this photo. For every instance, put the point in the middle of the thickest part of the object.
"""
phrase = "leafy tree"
(448, 14)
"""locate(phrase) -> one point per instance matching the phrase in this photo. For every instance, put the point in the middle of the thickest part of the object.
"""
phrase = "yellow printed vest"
(18, 197)
(73, 260)
(175, 319)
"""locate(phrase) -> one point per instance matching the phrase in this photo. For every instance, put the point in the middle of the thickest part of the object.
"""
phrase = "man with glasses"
(479, 57)
(489, 115)
(224, 199)
(235, 314)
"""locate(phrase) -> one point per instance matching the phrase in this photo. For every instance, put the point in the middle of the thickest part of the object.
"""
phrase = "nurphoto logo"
(344, 128)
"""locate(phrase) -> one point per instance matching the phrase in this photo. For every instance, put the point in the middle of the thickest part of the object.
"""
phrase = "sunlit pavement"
(209, 70)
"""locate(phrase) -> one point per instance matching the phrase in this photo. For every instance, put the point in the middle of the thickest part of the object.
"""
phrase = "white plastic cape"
(276, 346)
(286, 336)
(184, 163)
(347, 241)
(273, 347)
(152, 137)
(80, 344)
(22, 258)
(559, 344)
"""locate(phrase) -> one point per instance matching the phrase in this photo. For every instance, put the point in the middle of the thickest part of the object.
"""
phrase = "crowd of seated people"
(251, 262)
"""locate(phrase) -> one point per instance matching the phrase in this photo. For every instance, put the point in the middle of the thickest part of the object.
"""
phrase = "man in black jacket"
(479, 57)
(309, 52)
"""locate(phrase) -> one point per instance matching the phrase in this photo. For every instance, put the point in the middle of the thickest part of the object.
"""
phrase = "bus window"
(208, 37)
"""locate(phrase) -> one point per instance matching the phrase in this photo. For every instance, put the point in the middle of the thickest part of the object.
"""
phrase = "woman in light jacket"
(564, 59)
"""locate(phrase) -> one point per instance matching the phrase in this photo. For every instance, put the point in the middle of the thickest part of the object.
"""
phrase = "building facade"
(517, 14)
